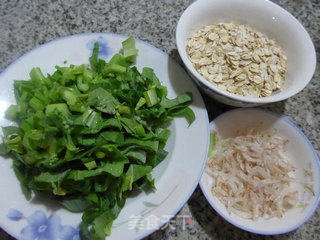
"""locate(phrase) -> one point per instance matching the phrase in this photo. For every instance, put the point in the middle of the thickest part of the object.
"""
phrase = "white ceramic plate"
(176, 177)
(299, 150)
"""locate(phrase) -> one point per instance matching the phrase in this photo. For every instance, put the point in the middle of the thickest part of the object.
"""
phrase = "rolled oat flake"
(238, 59)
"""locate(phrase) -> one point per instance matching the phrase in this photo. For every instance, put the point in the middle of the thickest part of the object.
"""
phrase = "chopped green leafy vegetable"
(212, 143)
(88, 135)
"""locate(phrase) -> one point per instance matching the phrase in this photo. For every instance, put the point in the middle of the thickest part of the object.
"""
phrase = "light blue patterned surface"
(104, 50)
(42, 227)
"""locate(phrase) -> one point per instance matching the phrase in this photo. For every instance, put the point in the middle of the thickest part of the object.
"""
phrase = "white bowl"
(299, 150)
(264, 16)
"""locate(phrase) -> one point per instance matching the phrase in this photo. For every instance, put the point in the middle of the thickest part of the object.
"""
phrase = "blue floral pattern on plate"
(41, 227)
(14, 214)
(104, 50)
(69, 233)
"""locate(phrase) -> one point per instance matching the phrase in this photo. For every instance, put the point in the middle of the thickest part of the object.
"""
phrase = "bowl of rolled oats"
(245, 53)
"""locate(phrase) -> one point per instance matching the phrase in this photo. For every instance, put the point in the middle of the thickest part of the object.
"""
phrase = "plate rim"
(192, 189)
(317, 160)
